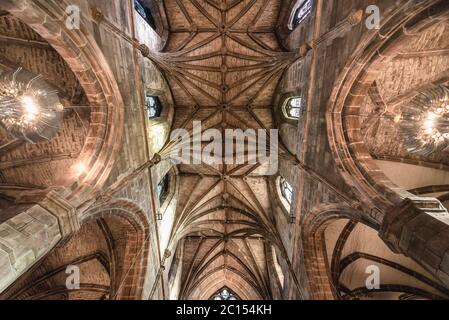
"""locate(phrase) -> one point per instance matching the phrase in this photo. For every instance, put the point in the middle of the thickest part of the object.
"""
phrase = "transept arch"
(59, 183)
(83, 56)
(358, 81)
(110, 251)
(341, 250)
(337, 201)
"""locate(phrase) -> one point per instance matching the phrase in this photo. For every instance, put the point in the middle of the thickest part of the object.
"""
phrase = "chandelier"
(30, 109)
(424, 123)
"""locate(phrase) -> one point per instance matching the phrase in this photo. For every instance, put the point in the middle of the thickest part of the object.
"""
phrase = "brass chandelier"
(30, 109)
(424, 123)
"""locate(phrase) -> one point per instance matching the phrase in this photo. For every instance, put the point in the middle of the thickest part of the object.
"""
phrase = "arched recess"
(222, 237)
(363, 267)
(158, 128)
(288, 127)
(341, 251)
(133, 274)
(209, 286)
(110, 251)
(28, 170)
(83, 56)
(83, 180)
(314, 253)
(357, 166)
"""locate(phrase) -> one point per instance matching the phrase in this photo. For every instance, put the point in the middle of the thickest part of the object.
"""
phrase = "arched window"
(153, 105)
(301, 11)
(163, 189)
(225, 294)
(293, 107)
(285, 196)
(144, 12)
(286, 190)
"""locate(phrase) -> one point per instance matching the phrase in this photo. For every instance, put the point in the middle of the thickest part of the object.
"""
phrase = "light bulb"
(29, 105)
(30, 109)
(431, 116)
(430, 134)
(80, 168)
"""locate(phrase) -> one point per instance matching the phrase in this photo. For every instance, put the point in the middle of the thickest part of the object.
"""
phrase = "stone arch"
(314, 253)
(206, 288)
(114, 238)
(288, 127)
(85, 59)
(81, 53)
(356, 165)
(336, 253)
(130, 282)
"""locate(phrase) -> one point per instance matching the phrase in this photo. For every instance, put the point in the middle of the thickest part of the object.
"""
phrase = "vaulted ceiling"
(29, 167)
(421, 64)
(97, 256)
(223, 63)
(354, 250)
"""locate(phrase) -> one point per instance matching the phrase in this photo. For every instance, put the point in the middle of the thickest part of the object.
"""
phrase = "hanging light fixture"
(424, 123)
(30, 109)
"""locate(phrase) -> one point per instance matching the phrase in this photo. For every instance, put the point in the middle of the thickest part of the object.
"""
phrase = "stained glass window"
(225, 294)
(302, 12)
(144, 12)
(293, 107)
(154, 106)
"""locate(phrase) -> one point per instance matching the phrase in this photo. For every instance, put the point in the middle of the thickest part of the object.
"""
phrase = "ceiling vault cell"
(223, 62)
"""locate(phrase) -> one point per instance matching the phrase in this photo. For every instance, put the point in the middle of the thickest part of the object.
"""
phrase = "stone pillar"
(419, 229)
(30, 235)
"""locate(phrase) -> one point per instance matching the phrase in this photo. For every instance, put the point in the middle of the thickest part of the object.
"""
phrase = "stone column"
(30, 235)
(419, 229)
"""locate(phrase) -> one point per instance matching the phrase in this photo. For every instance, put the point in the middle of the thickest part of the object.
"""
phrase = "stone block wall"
(25, 239)
(114, 35)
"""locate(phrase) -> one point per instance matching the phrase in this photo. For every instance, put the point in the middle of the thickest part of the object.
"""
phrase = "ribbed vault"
(225, 225)
(223, 63)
